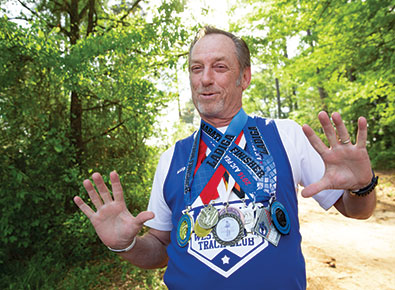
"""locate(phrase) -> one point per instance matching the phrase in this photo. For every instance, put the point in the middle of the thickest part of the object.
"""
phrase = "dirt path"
(350, 254)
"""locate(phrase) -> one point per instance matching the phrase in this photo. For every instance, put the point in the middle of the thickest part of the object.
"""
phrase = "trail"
(343, 253)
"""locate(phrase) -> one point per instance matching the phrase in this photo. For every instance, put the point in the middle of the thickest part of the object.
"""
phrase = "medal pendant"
(265, 228)
(249, 217)
(232, 210)
(229, 229)
(199, 231)
(184, 230)
(280, 217)
(208, 217)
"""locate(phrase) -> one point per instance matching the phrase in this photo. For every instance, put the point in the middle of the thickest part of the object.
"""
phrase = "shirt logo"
(225, 260)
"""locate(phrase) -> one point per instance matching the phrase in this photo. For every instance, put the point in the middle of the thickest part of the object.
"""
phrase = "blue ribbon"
(255, 174)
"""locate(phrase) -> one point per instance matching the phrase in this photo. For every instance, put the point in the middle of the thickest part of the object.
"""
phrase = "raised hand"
(347, 165)
(113, 222)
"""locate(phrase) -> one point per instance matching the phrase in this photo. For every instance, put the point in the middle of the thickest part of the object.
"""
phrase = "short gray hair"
(242, 51)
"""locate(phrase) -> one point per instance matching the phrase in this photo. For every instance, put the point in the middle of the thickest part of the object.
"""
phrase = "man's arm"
(358, 207)
(149, 252)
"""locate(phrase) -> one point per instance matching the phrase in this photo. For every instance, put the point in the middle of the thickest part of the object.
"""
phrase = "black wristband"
(367, 189)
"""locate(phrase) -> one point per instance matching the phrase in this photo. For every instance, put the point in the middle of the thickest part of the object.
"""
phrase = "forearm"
(149, 252)
(355, 206)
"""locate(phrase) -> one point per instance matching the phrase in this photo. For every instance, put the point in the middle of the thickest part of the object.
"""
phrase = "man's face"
(213, 73)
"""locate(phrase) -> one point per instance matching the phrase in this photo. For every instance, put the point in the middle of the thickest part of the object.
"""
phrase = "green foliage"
(344, 62)
(109, 72)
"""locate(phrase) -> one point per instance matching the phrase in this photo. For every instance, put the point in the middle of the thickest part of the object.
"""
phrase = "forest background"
(86, 85)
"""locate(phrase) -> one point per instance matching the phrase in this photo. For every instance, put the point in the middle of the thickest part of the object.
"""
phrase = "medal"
(229, 229)
(249, 217)
(199, 231)
(265, 228)
(280, 217)
(208, 217)
(184, 229)
(233, 210)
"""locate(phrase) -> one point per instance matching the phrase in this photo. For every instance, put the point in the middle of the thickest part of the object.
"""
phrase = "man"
(229, 220)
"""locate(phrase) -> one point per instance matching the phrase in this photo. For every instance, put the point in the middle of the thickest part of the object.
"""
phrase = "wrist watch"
(367, 189)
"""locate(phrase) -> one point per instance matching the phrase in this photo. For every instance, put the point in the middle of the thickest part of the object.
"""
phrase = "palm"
(347, 166)
(113, 222)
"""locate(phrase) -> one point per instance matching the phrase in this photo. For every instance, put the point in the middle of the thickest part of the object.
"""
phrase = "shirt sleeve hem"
(331, 196)
(159, 226)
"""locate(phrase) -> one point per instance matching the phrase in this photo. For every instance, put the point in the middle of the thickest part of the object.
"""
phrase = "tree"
(78, 92)
(344, 62)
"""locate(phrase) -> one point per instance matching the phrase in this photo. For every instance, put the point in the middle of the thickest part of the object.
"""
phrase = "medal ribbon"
(193, 185)
(256, 174)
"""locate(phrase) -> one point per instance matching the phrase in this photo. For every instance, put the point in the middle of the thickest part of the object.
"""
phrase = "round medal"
(280, 217)
(199, 231)
(208, 217)
(233, 210)
(184, 230)
(229, 229)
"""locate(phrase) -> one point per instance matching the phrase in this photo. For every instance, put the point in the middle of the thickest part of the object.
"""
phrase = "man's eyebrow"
(220, 58)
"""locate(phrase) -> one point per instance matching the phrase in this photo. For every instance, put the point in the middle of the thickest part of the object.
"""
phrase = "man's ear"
(246, 79)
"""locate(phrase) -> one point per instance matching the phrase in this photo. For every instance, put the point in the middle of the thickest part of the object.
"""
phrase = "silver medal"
(249, 217)
(233, 210)
(229, 229)
(208, 217)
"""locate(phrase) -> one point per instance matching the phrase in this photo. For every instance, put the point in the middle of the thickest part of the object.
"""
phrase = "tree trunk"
(278, 99)
(76, 104)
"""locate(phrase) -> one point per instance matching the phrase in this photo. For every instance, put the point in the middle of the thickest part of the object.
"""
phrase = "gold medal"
(199, 231)
(184, 229)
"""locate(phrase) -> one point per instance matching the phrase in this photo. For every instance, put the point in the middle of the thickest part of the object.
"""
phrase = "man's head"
(219, 69)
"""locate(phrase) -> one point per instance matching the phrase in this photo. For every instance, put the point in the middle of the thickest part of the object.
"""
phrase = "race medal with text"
(229, 229)
(280, 217)
(184, 229)
(233, 210)
(208, 217)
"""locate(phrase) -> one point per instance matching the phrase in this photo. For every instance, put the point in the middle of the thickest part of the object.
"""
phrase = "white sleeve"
(157, 203)
(307, 165)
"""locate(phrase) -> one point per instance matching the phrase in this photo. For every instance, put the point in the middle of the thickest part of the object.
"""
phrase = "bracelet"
(367, 189)
(126, 249)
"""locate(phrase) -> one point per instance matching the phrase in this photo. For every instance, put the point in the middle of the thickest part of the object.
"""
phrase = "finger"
(362, 132)
(101, 187)
(314, 140)
(340, 128)
(116, 186)
(95, 198)
(329, 131)
(315, 188)
(83, 207)
(144, 216)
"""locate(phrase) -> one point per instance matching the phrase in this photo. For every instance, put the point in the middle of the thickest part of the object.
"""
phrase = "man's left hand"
(347, 165)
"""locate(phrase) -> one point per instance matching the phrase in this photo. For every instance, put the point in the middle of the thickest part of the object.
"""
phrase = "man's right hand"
(113, 222)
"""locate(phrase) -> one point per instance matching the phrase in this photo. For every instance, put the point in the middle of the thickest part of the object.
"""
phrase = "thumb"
(144, 216)
(312, 189)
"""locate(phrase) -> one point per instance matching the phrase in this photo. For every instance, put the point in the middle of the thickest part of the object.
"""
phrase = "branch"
(135, 4)
(131, 9)
(104, 133)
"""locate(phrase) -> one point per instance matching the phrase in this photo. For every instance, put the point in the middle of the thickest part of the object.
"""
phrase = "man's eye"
(220, 67)
(196, 68)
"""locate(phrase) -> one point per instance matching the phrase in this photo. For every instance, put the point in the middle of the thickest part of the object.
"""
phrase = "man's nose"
(207, 77)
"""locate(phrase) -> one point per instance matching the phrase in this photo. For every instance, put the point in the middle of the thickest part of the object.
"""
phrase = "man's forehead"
(214, 46)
